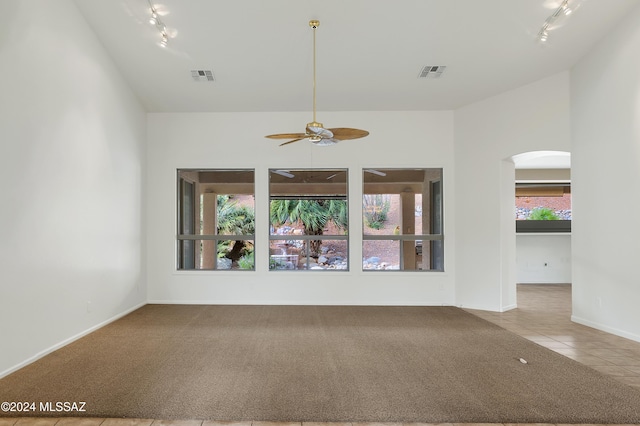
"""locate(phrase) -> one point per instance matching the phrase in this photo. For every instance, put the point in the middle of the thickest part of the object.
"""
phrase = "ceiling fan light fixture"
(323, 141)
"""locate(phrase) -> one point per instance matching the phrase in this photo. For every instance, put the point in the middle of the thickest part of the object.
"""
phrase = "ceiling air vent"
(202, 75)
(432, 71)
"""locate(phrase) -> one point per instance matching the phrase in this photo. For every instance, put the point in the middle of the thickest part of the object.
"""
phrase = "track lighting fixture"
(562, 10)
(155, 20)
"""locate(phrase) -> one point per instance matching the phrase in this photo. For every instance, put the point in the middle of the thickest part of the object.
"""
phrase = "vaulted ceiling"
(369, 52)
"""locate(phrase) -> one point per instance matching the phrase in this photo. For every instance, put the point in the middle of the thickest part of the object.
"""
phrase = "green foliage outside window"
(235, 219)
(543, 213)
(247, 261)
(375, 208)
(313, 215)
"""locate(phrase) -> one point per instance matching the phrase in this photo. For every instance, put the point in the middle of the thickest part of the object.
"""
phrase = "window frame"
(184, 239)
(523, 226)
(435, 240)
(308, 238)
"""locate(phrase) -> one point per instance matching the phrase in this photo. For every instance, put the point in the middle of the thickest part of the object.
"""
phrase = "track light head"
(153, 20)
(543, 36)
(165, 39)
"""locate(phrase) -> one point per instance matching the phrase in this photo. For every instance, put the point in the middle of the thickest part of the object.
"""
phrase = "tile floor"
(543, 316)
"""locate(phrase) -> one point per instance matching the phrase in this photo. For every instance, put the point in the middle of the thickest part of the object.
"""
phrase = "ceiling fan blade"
(375, 172)
(345, 133)
(284, 173)
(295, 140)
(287, 136)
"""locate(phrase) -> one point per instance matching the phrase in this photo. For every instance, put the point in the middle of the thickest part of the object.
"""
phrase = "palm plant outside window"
(309, 219)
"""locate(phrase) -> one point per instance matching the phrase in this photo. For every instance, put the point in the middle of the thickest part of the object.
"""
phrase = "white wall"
(605, 99)
(71, 177)
(487, 134)
(543, 258)
(227, 140)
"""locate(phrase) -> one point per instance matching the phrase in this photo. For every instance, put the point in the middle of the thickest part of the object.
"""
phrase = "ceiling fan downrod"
(314, 24)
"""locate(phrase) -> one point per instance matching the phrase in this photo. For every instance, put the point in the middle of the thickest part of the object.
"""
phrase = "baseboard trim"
(601, 327)
(477, 308)
(509, 307)
(68, 340)
(291, 303)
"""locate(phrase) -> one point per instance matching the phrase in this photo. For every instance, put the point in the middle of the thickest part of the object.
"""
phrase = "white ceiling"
(369, 52)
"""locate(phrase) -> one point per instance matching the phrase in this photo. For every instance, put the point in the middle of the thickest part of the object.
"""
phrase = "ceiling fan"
(316, 132)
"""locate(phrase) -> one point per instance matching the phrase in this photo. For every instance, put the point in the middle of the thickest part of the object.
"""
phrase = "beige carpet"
(310, 363)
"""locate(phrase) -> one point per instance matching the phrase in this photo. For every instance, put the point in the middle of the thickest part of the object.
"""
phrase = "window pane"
(543, 202)
(295, 254)
(543, 207)
(285, 254)
(214, 204)
(381, 255)
(402, 219)
(309, 219)
(208, 256)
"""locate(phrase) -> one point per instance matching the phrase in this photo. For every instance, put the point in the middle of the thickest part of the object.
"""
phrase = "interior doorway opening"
(543, 217)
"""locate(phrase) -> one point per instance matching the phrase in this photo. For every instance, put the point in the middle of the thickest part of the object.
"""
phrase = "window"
(543, 207)
(309, 219)
(216, 220)
(402, 220)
